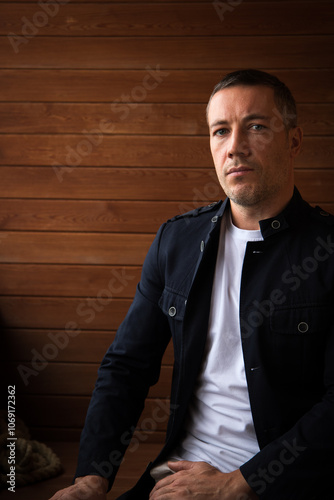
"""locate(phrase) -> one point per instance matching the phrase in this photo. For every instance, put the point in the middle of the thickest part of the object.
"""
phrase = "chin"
(248, 198)
(243, 195)
(244, 201)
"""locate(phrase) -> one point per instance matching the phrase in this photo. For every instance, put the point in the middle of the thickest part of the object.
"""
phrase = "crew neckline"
(242, 234)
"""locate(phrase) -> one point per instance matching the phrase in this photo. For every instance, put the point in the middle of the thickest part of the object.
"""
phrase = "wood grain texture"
(68, 314)
(67, 280)
(86, 215)
(180, 86)
(143, 119)
(70, 412)
(87, 347)
(67, 378)
(190, 187)
(75, 248)
(98, 216)
(66, 153)
(102, 138)
(72, 435)
(151, 2)
(169, 19)
(169, 52)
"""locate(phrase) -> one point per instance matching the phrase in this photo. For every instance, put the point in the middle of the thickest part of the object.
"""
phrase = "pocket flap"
(173, 304)
(300, 320)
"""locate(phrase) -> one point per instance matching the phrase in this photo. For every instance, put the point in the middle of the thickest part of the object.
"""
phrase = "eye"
(220, 132)
(258, 127)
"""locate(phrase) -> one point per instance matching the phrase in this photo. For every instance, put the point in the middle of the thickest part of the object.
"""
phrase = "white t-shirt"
(219, 427)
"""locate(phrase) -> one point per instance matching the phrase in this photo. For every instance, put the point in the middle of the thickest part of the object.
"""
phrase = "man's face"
(251, 149)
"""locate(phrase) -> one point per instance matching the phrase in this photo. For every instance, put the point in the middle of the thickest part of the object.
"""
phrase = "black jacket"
(286, 320)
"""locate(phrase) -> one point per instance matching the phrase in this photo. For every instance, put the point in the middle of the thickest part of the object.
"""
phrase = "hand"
(85, 488)
(201, 481)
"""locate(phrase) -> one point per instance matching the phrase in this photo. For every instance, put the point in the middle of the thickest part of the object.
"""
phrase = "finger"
(167, 481)
(60, 494)
(75, 492)
(163, 494)
(180, 465)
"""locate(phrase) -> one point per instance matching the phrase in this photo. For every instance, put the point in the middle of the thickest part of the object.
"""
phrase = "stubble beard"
(261, 191)
(251, 195)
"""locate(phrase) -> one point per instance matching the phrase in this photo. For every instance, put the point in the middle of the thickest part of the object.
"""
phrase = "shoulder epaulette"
(322, 215)
(197, 211)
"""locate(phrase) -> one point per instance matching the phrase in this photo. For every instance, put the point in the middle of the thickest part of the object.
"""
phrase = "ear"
(295, 141)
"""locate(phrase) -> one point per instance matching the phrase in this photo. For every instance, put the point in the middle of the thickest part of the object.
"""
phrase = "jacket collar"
(290, 216)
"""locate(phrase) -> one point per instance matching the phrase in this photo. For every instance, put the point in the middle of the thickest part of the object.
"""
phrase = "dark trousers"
(141, 490)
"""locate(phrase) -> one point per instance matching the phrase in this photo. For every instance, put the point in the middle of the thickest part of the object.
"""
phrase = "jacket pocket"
(298, 340)
(301, 319)
(173, 304)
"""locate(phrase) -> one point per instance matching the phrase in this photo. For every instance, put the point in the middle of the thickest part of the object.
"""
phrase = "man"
(245, 289)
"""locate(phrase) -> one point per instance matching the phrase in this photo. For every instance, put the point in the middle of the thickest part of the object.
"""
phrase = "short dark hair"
(284, 99)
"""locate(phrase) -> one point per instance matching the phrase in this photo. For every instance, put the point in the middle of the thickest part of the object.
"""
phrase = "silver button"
(202, 246)
(214, 219)
(302, 327)
(275, 224)
(172, 311)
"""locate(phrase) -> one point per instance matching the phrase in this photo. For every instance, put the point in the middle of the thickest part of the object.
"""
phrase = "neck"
(248, 217)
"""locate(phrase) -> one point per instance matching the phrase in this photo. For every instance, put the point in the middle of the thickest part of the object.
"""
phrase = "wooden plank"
(66, 153)
(182, 19)
(309, 153)
(193, 186)
(83, 216)
(63, 118)
(75, 248)
(317, 190)
(69, 315)
(151, 2)
(67, 280)
(169, 52)
(50, 378)
(316, 119)
(97, 149)
(181, 86)
(146, 119)
(129, 1)
(87, 347)
(86, 216)
(71, 435)
(70, 412)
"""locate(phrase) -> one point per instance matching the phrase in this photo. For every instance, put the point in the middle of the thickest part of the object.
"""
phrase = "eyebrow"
(253, 116)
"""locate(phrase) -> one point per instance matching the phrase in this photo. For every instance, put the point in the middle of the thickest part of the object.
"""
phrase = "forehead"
(240, 101)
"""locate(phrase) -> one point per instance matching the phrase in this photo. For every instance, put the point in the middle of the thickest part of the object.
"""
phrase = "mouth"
(238, 171)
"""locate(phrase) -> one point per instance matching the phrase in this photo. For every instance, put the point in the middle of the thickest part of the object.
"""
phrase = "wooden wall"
(103, 137)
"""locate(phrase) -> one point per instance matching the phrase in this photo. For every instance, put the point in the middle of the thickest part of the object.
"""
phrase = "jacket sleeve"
(130, 366)
(298, 465)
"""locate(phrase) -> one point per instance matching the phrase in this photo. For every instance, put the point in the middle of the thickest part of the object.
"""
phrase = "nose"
(238, 145)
